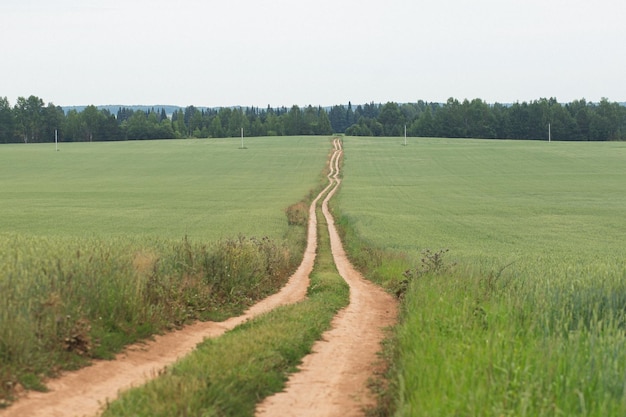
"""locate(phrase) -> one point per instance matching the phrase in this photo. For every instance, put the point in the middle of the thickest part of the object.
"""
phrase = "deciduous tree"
(29, 114)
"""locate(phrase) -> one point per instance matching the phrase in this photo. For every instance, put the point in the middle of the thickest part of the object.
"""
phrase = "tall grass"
(62, 306)
(526, 317)
(472, 345)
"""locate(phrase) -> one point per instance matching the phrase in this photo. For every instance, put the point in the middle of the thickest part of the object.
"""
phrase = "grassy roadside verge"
(227, 376)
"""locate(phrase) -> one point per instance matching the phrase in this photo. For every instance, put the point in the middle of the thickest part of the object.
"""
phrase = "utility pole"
(404, 135)
(549, 133)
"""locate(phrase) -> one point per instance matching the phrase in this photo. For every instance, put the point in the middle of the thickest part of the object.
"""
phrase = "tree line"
(536, 120)
(30, 120)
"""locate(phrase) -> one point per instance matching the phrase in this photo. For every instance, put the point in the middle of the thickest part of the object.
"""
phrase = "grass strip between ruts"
(229, 375)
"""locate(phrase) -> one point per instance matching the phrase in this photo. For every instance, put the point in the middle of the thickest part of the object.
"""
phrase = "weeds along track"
(333, 379)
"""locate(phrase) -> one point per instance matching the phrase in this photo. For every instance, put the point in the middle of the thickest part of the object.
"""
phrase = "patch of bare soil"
(333, 379)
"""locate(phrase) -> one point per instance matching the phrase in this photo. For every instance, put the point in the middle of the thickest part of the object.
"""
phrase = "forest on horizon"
(30, 120)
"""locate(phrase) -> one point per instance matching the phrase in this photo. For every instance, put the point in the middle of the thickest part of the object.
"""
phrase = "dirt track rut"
(333, 379)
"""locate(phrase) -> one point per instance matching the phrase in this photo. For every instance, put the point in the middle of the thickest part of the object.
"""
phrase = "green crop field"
(204, 189)
(105, 243)
(525, 315)
(526, 312)
(489, 201)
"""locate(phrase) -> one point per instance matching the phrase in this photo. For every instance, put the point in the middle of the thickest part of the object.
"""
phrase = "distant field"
(204, 189)
(489, 201)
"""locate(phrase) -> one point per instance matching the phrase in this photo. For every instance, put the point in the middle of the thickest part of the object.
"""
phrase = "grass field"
(531, 319)
(524, 316)
(205, 189)
(489, 201)
(104, 243)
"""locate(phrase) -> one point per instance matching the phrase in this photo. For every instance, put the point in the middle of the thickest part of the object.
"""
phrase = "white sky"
(321, 52)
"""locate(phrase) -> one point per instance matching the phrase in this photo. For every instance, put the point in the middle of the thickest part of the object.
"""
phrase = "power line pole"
(549, 133)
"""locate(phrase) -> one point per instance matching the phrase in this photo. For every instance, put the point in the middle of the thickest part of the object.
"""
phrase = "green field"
(205, 189)
(102, 244)
(526, 313)
(489, 201)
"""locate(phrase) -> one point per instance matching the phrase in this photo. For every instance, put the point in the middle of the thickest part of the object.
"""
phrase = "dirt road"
(333, 378)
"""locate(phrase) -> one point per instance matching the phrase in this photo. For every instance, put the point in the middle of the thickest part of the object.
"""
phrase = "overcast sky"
(321, 52)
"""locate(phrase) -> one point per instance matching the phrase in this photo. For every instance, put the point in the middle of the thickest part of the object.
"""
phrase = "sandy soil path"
(333, 379)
